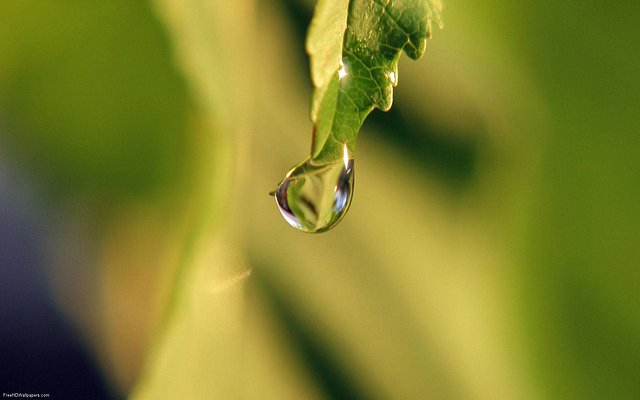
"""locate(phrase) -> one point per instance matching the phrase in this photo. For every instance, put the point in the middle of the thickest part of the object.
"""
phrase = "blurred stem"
(208, 292)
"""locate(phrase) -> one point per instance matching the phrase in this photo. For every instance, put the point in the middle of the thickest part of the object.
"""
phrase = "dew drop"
(393, 78)
(314, 197)
(342, 72)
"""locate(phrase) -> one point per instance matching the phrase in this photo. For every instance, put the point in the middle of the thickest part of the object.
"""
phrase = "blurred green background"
(491, 250)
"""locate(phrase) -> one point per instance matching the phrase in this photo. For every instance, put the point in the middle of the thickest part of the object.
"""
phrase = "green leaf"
(354, 48)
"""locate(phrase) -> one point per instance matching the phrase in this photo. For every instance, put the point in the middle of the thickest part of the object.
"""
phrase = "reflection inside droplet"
(315, 197)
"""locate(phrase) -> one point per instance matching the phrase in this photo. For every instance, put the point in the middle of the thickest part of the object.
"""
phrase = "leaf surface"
(354, 48)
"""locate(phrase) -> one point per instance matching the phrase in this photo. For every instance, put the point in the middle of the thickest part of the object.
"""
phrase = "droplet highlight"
(393, 78)
(315, 197)
(342, 72)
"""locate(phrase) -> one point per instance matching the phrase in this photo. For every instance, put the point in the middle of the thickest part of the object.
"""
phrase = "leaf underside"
(354, 47)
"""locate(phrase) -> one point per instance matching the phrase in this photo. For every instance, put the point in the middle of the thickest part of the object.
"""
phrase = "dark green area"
(91, 101)
(582, 276)
(328, 373)
(451, 155)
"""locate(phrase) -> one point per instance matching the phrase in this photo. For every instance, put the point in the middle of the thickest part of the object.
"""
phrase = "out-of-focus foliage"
(490, 251)
(67, 72)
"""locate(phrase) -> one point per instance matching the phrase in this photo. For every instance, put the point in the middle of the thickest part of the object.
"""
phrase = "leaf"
(354, 48)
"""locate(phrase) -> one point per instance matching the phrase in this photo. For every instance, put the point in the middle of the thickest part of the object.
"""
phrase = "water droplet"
(314, 197)
(392, 78)
(342, 72)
